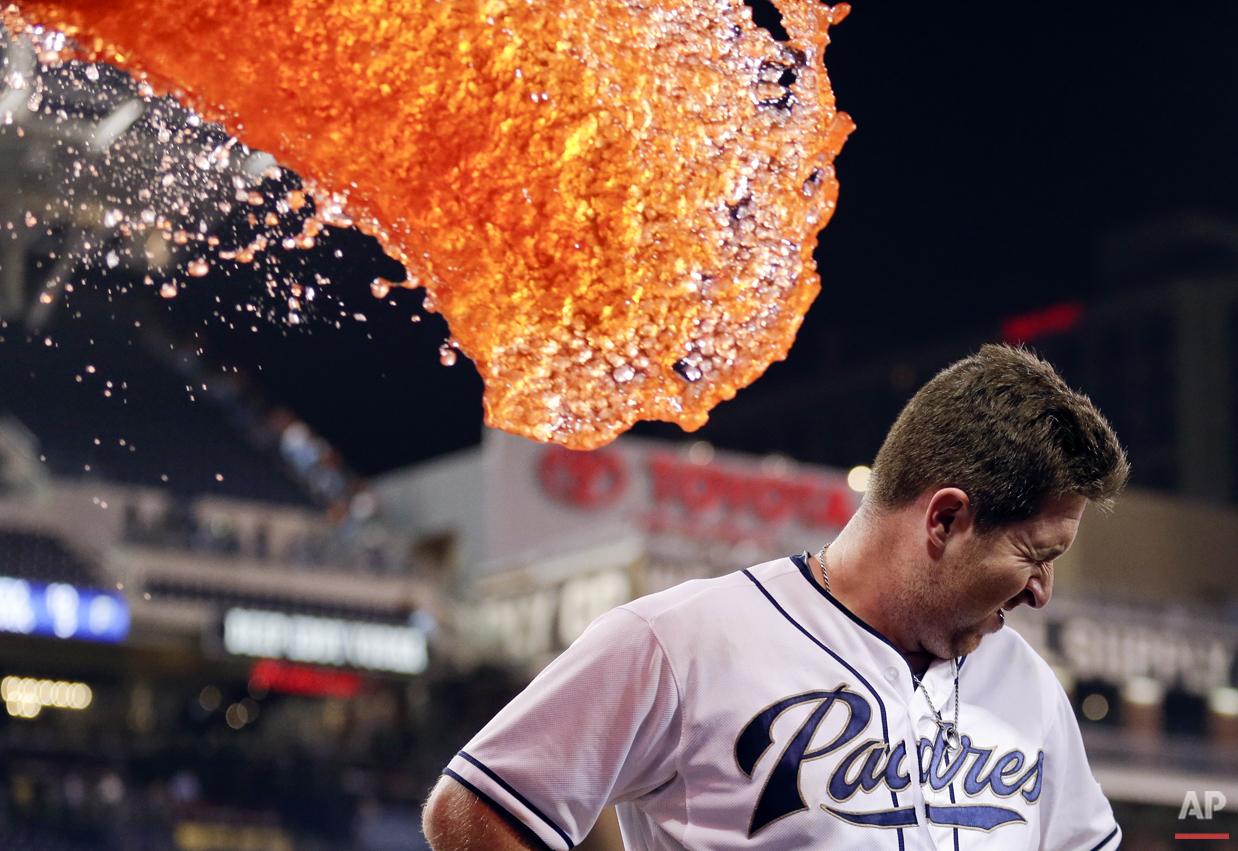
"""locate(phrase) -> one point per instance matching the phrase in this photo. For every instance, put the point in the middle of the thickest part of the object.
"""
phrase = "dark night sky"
(997, 145)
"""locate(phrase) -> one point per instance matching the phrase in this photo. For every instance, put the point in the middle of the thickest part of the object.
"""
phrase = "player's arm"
(599, 724)
(455, 819)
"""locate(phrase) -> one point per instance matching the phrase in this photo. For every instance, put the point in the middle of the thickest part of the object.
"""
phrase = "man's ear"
(947, 516)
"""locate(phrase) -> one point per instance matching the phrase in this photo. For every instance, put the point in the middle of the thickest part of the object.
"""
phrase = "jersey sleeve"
(1075, 814)
(598, 726)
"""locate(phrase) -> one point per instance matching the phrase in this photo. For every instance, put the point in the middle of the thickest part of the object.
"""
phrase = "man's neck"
(864, 576)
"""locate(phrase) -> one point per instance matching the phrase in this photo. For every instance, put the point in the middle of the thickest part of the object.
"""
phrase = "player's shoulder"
(717, 595)
(1010, 666)
(1008, 651)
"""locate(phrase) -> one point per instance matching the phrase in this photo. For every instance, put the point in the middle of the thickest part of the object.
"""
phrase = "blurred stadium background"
(258, 584)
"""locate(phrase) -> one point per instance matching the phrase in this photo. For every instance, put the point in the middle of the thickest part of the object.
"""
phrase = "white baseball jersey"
(754, 711)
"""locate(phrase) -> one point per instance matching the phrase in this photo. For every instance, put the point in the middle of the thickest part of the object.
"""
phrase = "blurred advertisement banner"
(543, 499)
(61, 610)
(572, 534)
(326, 641)
(1117, 643)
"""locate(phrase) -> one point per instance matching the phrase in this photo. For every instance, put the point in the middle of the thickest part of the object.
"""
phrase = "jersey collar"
(802, 563)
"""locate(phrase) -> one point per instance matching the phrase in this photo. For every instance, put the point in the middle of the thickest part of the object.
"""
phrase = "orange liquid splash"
(612, 203)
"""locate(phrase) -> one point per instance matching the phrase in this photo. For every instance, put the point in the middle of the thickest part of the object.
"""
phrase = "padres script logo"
(868, 764)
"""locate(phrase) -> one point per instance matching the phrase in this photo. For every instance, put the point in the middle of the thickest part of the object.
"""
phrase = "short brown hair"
(1003, 427)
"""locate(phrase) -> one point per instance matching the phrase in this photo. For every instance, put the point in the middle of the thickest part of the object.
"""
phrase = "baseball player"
(863, 697)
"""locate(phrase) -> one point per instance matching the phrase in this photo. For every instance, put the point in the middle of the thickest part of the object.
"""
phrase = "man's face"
(966, 595)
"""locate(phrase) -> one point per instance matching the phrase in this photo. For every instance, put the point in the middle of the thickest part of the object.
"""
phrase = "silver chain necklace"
(825, 576)
(949, 729)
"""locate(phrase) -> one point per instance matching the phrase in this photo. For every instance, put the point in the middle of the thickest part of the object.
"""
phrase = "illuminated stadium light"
(199, 836)
(325, 641)
(858, 478)
(61, 610)
(701, 452)
(1143, 691)
(1095, 707)
(1224, 701)
(25, 697)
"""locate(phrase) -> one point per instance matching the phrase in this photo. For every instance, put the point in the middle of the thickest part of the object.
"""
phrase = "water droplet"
(168, 290)
(31, 221)
(687, 371)
(113, 260)
(624, 373)
(198, 268)
(446, 355)
(812, 183)
(380, 288)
